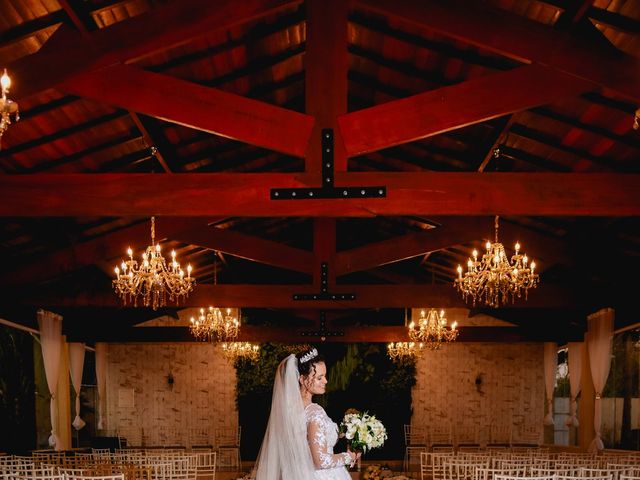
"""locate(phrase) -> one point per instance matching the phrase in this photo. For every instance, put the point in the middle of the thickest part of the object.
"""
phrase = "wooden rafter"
(412, 193)
(249, 247)
(449, 108)
(350, 334)
(281, 296)
(198, 107)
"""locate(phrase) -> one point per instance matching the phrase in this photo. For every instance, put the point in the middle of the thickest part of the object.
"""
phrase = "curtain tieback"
(598, 397)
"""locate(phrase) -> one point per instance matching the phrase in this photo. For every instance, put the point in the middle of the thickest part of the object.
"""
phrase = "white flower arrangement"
(362, 431)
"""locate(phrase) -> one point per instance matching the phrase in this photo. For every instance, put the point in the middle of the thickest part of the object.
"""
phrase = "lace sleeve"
(321, 452)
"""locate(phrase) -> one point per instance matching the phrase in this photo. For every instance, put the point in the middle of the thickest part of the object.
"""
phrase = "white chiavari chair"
(206, 464)
(227, 444)
(437, 460)
(73, 476)
(511, 477)
(500, 435)
(415, 443)
(572, 477)
(598, 472)
(440, 435)
(424, 466)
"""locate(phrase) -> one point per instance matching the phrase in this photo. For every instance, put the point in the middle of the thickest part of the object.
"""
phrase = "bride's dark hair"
(307, 361)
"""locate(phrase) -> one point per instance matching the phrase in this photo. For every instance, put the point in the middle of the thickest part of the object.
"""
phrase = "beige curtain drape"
(550, 367)
(576, 352)
(599, 336)
(101, 379)
(76, 367)
(50, 326)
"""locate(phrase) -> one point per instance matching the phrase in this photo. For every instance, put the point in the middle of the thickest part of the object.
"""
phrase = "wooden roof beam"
(518, 38)
(281, 296)
(249, 247)
(454, 231)
(350, 334)
(198, 107)
(452, 107)
(408, 193)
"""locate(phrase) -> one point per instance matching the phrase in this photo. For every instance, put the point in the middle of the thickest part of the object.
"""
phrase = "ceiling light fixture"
(432, 330)
(494, 280)
(240, 351)
(153, 279)
(7, 107)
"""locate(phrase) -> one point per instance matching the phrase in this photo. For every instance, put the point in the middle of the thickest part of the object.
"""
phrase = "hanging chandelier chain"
(497, 226)
(153, 231)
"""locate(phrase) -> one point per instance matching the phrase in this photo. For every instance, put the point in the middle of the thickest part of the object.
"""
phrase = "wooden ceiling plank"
(518, 38)
(281, 296)
(410, 193)
(452, 107)
(194, 106)
(249, 247)
(162, 28)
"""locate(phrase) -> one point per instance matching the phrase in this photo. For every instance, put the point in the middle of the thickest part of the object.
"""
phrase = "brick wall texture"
(478, 388)
(483, 391)
(201, 398)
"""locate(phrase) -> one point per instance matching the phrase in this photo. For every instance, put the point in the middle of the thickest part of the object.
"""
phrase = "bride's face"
(316, 382)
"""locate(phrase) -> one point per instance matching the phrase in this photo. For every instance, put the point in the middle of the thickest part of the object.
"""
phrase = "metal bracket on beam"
(323, 333)
(328, 190)
(324, 289)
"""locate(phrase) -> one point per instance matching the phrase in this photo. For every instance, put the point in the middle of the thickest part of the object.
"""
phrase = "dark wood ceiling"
(198, 111)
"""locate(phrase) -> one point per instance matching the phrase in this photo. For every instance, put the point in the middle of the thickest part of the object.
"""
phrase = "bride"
(299, 440)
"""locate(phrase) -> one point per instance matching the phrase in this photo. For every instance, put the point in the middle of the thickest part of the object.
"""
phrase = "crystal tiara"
(313, 353)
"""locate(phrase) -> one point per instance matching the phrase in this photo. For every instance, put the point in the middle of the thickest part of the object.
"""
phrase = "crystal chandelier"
(212, 325)
(7, 107)
(432, 329)
(153, 279)
(404, 351)
(494, 279)
(240, 350)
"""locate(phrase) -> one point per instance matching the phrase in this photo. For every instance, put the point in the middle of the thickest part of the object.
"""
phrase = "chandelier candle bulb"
(494, 279)
(432, 330)
(153, 279)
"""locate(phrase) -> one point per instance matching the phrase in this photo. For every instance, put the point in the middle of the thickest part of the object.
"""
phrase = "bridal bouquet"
(362, 431)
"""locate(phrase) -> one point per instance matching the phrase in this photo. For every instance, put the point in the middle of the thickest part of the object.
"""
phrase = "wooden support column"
(326, 98)
(586, 407)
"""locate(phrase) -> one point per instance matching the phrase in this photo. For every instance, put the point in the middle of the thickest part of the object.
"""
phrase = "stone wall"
(482, 391)
(167, 394)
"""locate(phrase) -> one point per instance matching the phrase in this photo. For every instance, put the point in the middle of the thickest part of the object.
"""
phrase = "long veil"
(285, 453)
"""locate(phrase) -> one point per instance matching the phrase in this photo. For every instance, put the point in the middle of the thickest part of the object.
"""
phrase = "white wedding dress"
(322, 435)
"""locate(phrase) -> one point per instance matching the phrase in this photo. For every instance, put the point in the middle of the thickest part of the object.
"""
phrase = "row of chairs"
(170, 436)
(134, 466)
(472, 435)
(421, 439)
(225, 441)
(489, 465)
